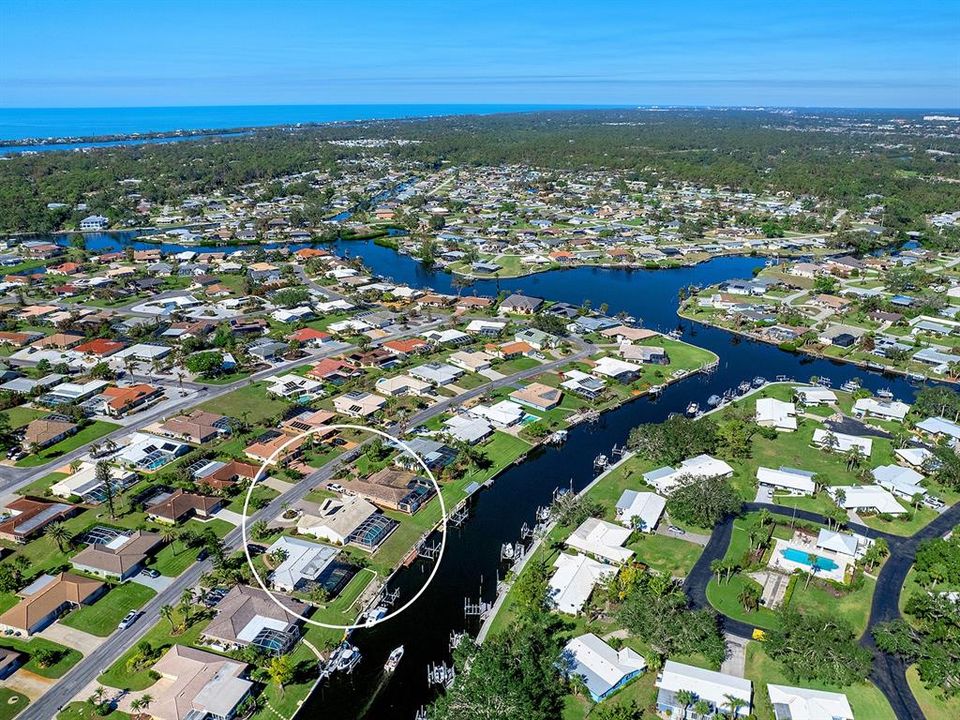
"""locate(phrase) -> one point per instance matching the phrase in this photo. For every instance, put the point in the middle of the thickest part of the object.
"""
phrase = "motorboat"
(394, 659)
(692, 409)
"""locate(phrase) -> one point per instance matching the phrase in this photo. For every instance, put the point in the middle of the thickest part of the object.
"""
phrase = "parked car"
(336, 487)
(129, 619)
(676, 530)
(150, 573)
(933, 502)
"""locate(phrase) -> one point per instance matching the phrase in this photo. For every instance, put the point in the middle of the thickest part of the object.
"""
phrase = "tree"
(166, 612)
(530, 591)
(818, 647)
(207, 364)
(102, 472)
(281, 671)
(735, 704)
(514, 675)
(685, 698)
(703, 501)
(674, 440)
(59, 534)
(46, 657)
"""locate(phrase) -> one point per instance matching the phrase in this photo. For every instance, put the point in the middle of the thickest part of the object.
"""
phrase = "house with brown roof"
(333, 370)
(180, 506)
(622, 333)
(538, 396)
(41, 433)
(263, 448)
(60, 341)
(46, 598)
(511, 350)
(219, 475)
(249, 616)
(121, 558)
(403, 347)
(196, 427)
(101, 347)
(18, 339)
(26, 518)
(198, 685)
(393, 489)
(123, 400)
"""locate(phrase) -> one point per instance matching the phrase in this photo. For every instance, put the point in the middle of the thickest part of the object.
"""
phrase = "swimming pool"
(799, 556)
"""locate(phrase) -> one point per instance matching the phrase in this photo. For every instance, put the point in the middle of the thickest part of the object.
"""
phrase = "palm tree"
(106, 482)
(701, 707)
(60, 535)
(735, 703)
(166, 612)
(685, 698)
(145, 701)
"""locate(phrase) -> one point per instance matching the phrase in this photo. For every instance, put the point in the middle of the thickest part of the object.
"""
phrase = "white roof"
(806, 704)
(601, 667)
(481, 325)
(844, 441)
(899, 480)
(786, 478)
(869, 496)
(814, 395)
(504, 412)
(845, 543)
(701, 466)
(647, 506)
(603, 539)
(939, 426)
(707, 684)
(305, 561)
(776, 413)
(913, 456)
(572, 583)
(84, 480)
(468, 430)
(893, 410)
(401, 383)
(612, 367)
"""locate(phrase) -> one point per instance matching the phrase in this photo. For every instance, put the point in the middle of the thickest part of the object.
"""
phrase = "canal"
(471, 563)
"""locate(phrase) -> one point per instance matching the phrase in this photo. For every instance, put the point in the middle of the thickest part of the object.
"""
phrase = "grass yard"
(866, 700)
(725, 597)
(854, 607)
(38, 487)
(932, 702)
(68, 656)
(87, 711)
(11, 703)
(20, 416)
(103, 616)
(261, 494)
(668, 555)
(91, 432)
(252, 400)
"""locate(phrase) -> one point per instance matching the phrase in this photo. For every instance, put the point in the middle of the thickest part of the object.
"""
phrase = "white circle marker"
(260, 473)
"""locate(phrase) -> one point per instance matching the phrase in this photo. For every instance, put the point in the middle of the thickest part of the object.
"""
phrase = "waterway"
(470, 565)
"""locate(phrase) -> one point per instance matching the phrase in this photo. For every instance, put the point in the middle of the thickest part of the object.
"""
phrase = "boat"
(347, 657)
(885, 394)
(851, 385)
(600, 461)
(693, 408)
(507, 552)
(759, 381)
(743, 388)
(713, 400)
(394, 659)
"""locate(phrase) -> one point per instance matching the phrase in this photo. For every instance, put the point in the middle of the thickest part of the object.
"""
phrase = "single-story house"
(538, 396)
(790, 480)
(640, 510)
(43, 600)
(573, 582)
(249, 616)
(304, 564)
(777, 414)
(795, 703)
(199, 684)
(706, 685)
(603, 669)
(603, 539)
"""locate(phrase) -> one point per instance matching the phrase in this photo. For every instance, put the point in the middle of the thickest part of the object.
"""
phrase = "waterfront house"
(334, 519)
(393, 489)
(617, 369)
(573, 582)
(304, 565)
(601, 539)
(248, 616)
(640, 510)
(814, 395)
(883, 409)
(785, 479)
(470, 430)
(537, 396)
(582, 384)
(520, 305)
(665, 479)
(777, 414)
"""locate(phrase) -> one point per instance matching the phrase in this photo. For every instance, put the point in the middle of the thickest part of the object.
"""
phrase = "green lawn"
(725, 596)
(866, 700)
(103, 616)
(20, 416)
(174, 558)
(932, 702)
(91, 432)
(668, 555)
(86, 711)
(11, 703)
(260, 493)
(252, 400)
(68, 656)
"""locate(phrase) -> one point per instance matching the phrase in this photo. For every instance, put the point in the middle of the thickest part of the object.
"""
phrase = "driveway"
(694, 538)
(71, 637)
(764, 494)
(492, 374)
(28, 683)
(158, 584)
(736, 655)
(234, 518)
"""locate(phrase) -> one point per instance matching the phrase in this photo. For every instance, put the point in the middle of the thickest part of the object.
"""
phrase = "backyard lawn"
(103, 616)
(68, 656)
(669, 555)
(91, 432)
(20, 416)
(252, 401)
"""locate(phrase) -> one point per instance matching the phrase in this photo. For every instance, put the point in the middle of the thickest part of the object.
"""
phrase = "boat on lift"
(692, 409)
(851, 386)
(885, 394)
(743, 388)
(394, 659)
(759, 381)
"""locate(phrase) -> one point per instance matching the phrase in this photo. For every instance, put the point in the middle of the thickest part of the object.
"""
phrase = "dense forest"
(853, 162)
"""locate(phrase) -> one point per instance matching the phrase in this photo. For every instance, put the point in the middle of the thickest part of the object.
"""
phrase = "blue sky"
(104, 53)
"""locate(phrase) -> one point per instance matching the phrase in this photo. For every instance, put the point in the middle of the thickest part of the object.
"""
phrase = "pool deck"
(779, 562)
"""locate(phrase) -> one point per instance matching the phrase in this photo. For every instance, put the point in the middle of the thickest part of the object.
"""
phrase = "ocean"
(44, 123)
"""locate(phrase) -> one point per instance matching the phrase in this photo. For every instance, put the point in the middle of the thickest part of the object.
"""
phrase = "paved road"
(888, 672)
(87, 670)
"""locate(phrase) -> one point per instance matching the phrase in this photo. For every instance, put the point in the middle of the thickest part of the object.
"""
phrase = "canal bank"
(471, 563)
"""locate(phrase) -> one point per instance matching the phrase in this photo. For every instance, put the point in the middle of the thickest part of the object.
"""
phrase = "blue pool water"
(799, 556)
